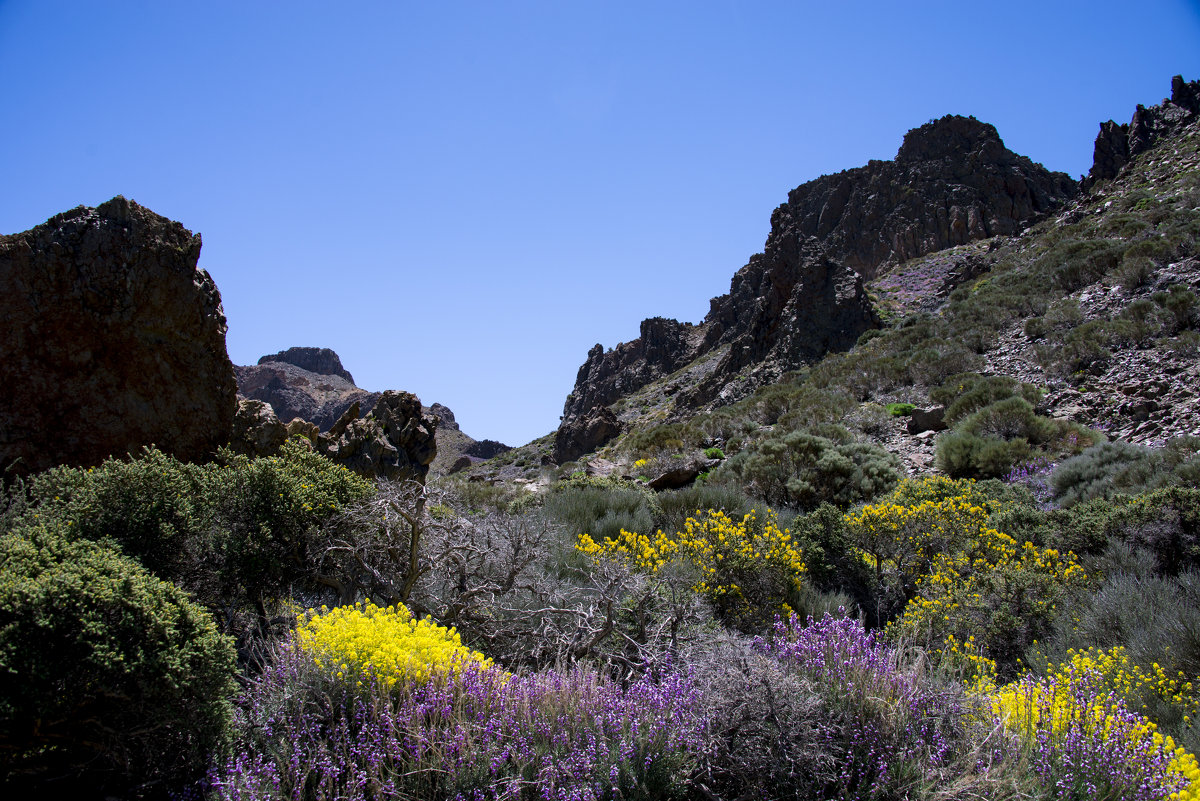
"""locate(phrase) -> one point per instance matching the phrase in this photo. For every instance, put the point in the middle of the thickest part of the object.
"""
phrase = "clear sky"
(461, 198)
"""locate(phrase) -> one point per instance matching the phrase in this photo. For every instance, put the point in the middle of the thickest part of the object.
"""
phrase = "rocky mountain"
(322, 361)
(318, 391)
(952, 182)
(111, 338)
(311, 384)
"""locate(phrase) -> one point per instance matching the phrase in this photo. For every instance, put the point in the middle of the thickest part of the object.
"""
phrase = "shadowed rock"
(111, 338)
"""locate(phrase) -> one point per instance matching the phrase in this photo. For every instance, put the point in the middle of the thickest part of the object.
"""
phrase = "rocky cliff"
(111, 338)
(952, 182)
(1117, 143)
(321, 361)
(296, 391)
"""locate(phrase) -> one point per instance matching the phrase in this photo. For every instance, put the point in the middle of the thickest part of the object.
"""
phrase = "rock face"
(295, 391)
(1117, 143)
(311, 386)
(256, 429)
(397, 440)
(663, 347)
(585, 433)
(321, 361)
(952, 182)
(111, 338)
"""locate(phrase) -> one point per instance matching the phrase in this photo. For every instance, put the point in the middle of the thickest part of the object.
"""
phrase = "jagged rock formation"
(397, 440)
(1117, 143)
(321, 361)
(310, 384)
(952, 182)
(256, 429)
(294, 391)
(111, 338)
(664, 346)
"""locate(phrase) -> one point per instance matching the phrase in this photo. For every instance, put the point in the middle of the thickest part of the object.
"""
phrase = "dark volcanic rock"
(111, 338)
(322, 361)
(486, 449)
(1117, 143)
(397, 440)
(294, 391)
(664, 346)
(790, 305)
(585, 433)
(445, 415)
(952, 182)
(256, 429)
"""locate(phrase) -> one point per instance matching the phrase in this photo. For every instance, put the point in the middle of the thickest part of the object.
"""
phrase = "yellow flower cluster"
(1136, 685)
(932, 539)
(718, 547)
(1050, 708)
(385, 641)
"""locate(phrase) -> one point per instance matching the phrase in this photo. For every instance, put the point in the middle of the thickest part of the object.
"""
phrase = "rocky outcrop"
(952, 182)
(662, 348)
(111, 338)
(397, 440)
(585, 433)
(295, 391)
(789, 306)
(321, 361)
(1117, 143)
(256, 429)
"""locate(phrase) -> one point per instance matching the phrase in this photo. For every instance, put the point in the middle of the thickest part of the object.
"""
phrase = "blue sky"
(461, 198)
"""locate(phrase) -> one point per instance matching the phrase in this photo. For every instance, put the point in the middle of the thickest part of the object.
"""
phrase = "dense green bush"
(602, 507)
(803, 469)
(992, 441)
(1166, 523)
(232, 532)
(1121, 467)
(966, 393)
(111, 677)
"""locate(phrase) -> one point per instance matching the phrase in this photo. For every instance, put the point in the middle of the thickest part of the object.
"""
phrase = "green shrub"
(804, 469)
(966, 393)
(900, 409)
(602, 507)
(714, 453)
(1120, 467)
(111, 675)
(233, 533)
(1165, 523)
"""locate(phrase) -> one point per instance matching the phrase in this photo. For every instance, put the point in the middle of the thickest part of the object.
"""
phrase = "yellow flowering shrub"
(1082, 735)
(384, 641)
(968, 592)
(1144, 690)
(749, 569)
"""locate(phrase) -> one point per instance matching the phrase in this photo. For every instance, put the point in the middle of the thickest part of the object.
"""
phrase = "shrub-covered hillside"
(959, 560)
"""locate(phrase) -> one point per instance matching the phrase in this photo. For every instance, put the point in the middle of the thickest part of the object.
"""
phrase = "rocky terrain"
(1068, 287)
(952, 182)
(111, 338)
(311, 384)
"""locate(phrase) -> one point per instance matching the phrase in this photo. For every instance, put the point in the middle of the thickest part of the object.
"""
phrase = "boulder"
(256, 429)
(585, 433)
(683, 474)
(922, 420)
(395, 441)
(111, 338)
